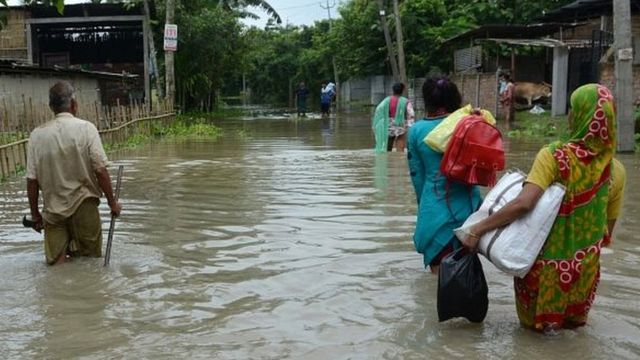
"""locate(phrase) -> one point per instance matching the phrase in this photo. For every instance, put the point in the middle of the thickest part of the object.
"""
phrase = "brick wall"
(471, 83)
(608, 78)
(374, 88)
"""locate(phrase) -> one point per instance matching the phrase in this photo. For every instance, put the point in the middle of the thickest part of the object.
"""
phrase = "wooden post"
(32, 117)
(560, 71)
(152, 48)
(478, 91)
(29, 36)
(333, 58)
(24, 153)
(497, 90)
(169, 58)
(291, 97)
(513, 64)
(3, 174)
(402, 69)
(387, 39)
(147, 76)
(624, 74)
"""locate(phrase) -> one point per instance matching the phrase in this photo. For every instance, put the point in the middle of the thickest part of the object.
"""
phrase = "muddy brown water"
(283, 239)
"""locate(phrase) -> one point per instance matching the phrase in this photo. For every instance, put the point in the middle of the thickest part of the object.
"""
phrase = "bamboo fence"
(115, 124)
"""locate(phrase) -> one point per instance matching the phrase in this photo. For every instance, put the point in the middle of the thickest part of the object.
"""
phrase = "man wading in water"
(67, 162)
(301, 99)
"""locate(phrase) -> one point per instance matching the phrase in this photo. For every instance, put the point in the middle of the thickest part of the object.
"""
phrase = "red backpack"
(474, 153)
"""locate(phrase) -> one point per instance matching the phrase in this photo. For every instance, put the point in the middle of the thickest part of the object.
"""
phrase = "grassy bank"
(185, 127)
(543, 126)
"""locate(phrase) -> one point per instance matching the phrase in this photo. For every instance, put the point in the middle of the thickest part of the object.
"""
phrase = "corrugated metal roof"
(14, 67)
(80, 10)
(546, 42)
(512, 31)
(585, 9)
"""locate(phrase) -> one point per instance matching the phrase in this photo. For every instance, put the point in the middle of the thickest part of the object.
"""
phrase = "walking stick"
(107, 254)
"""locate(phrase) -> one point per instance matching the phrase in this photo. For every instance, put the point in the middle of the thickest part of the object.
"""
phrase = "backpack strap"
(446, 196)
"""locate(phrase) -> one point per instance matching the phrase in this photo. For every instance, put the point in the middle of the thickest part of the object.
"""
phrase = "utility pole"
(169, 57)
(333, 57)
(387, 39)
(402, 69)
(152, 48)
(244, 89)
(624, 74)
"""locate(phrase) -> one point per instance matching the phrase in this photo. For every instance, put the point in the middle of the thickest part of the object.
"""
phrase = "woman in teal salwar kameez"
(442, 205)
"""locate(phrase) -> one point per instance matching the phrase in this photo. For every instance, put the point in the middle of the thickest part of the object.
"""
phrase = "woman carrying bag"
(559, 290)
(442, 205)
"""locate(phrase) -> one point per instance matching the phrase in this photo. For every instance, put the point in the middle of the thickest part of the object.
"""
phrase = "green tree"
(210, 49)
(357, 40)
(242, 4)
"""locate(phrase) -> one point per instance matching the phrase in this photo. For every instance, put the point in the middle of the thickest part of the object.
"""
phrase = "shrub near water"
(542, 126)
(530, 126)
(185, 127)
(188, 126)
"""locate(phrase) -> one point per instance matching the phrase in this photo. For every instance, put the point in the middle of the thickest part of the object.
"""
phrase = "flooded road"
(283, 239)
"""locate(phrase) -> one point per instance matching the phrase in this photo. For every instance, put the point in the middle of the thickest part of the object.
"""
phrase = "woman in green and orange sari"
(560, 288)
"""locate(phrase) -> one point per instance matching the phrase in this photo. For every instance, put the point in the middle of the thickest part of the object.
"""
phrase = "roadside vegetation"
(185, 127)
(542, 126)
(217, 50)
(545, 126)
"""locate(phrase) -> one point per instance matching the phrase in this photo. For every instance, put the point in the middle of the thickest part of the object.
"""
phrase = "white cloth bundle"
(515, 247)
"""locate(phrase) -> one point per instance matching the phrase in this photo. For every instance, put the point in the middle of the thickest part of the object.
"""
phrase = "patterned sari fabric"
(560, 288)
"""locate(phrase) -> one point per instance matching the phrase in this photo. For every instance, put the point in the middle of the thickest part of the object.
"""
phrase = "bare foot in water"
(552, 330)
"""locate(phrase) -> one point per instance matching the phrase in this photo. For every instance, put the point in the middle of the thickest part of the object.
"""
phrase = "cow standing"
(532, 91)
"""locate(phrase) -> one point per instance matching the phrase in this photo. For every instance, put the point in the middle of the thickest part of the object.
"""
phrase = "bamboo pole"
(3, 164)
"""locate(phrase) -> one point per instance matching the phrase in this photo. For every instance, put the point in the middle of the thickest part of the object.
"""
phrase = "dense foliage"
(216, 49)
(279, 55)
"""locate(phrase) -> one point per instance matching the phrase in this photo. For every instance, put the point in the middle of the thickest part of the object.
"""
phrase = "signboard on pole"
(171, 37)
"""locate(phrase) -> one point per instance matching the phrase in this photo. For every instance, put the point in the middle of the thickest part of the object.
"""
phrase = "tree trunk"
(387, 38)
(152, 49)
(169, 58)
(402, 69)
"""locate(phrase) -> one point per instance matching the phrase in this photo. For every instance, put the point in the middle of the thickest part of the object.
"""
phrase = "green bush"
(188, 126)
(184, 127)
(541, 126)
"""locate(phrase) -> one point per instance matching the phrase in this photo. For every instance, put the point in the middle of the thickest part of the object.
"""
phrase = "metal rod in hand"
(107, 253)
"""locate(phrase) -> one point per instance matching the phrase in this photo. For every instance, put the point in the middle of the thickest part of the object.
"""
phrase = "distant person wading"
(392, 118)
(301, 95)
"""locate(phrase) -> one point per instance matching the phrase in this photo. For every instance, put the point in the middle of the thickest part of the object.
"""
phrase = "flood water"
(283, 239)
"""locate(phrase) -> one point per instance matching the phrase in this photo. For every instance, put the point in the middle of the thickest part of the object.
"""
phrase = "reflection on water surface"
(284, 239)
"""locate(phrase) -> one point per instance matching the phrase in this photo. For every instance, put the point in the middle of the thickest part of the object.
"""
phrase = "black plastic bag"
(462, 288)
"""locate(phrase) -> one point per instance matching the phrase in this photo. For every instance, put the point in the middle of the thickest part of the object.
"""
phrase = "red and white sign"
(171, 37)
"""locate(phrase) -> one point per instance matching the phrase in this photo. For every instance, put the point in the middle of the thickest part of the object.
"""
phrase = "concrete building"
(91, 39)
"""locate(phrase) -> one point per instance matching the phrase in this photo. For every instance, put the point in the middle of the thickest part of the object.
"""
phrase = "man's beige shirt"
(63, 156)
